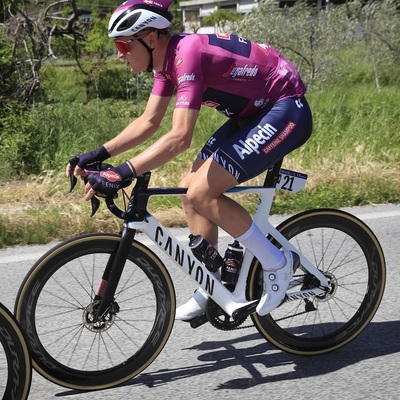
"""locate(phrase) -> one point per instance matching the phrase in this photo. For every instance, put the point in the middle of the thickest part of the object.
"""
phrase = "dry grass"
(41, 209)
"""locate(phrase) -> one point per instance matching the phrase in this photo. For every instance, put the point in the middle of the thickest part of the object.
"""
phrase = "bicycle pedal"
(198, 321)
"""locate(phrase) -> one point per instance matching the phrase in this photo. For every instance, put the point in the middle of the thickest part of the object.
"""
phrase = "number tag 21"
(291, 181)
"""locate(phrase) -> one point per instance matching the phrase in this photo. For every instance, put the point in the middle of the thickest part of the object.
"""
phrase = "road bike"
(98, 308)
(15, 360)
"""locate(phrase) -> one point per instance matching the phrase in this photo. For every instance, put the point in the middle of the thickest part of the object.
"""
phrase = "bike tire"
(54, 306)
(347, 251)
(16, 370)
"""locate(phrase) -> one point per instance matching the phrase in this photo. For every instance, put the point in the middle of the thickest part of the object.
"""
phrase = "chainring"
(219, 319)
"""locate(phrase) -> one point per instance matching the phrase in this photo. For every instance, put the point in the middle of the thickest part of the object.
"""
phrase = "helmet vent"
(129, 21)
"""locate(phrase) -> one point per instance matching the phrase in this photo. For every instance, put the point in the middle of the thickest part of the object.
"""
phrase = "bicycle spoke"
(72, 338)
(348, 254)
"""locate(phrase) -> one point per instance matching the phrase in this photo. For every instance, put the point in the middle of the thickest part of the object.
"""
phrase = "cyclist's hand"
(85, 160)
(107, 183)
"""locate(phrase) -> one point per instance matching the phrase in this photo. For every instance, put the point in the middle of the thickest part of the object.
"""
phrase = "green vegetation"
(352, 158)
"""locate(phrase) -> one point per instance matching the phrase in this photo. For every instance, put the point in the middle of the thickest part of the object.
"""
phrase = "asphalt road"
(209, 364)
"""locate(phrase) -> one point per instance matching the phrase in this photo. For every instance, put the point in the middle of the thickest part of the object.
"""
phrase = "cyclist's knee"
(200, 194)
(195, 194)
(184, 183)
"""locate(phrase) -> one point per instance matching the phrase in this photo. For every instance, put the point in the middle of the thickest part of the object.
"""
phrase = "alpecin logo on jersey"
(265, 134)
(236, 71)
(252, 143)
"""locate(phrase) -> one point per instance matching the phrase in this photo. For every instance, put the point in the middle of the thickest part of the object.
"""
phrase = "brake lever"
(73, 161)
(96, 167)
(95, 203)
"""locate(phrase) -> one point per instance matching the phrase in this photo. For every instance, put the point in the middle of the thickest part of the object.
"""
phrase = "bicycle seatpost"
(271, 179)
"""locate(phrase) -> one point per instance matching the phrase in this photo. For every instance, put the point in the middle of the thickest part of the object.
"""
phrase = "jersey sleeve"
(189, 75)
(162, 86)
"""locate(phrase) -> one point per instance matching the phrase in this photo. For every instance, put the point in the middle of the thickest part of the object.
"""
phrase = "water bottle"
(205, 252)
(232, 263)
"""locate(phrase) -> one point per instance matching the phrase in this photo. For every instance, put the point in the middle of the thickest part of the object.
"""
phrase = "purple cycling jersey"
(234, 75)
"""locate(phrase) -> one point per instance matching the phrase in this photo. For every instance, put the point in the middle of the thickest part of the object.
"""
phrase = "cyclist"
(260, 93)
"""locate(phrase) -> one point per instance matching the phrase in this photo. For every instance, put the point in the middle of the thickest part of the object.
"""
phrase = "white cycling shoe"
(276, 283)
(274, 289)
(194, 307)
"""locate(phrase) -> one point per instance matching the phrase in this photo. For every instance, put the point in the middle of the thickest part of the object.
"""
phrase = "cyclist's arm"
(174, 142)
(141, 128)
(164, 149)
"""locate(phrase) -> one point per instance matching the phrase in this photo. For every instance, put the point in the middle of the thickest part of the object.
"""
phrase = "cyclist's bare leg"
(198, 224)
(205, 199)
(205, 196)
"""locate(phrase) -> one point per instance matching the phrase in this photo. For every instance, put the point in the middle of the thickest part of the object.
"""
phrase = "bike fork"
(106, 290)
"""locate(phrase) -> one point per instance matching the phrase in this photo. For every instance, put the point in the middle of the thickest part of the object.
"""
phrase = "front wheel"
(15, 360)
(56, 307)
(348, 253)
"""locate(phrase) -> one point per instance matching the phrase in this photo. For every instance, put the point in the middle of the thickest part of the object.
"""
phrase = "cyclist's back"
(217, 75)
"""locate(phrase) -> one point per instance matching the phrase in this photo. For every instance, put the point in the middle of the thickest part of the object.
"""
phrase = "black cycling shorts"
(249, 146)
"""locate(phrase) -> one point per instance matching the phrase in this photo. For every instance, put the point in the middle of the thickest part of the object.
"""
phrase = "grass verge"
(40, 209)
(352, 159)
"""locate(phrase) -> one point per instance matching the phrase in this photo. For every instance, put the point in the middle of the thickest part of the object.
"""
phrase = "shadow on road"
(377, 340)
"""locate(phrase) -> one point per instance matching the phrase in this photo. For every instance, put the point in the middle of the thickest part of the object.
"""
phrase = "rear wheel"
(56, 307)
(349, 254)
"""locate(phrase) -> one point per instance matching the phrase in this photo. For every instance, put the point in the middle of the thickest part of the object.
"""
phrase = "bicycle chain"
(276, 320)
(252, 325)
(220, 325)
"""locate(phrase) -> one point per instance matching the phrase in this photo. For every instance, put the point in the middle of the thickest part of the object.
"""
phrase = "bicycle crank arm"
(245, 311)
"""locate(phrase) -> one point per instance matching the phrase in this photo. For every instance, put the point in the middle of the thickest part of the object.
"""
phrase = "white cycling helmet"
(134, 15)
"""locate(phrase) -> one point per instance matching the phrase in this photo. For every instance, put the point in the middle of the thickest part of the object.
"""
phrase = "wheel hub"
(102, 324)
(333, 285)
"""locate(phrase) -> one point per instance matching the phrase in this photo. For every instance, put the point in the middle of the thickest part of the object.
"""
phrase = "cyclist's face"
(134, 53)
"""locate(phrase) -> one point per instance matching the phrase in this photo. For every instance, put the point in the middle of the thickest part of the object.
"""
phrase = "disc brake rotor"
(106, 321)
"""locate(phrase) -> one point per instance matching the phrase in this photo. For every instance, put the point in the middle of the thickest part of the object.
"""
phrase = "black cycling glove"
(99, 155)
(108, 182)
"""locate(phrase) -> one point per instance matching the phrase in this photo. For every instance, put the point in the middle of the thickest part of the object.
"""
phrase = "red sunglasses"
(123, 45)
